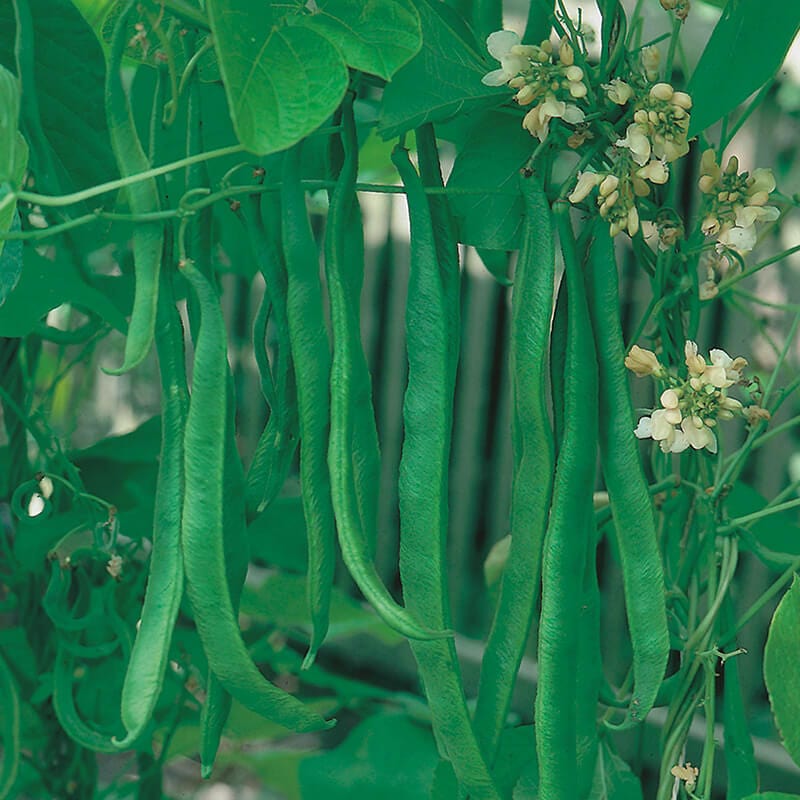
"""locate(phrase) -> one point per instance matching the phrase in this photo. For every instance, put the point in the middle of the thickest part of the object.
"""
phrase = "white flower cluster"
(690, 407)
(735, 202)
(659, 126)
(540, 75)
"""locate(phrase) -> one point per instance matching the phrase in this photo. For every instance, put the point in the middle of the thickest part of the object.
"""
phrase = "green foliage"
(752, 45)
(780, 669)
(239, 242)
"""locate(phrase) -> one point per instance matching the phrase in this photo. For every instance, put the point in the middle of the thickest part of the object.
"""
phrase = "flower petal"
(497, 77)
(499, 43)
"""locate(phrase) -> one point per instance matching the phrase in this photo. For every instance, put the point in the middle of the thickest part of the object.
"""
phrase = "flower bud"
(566, 55)
(662, 91)
(643, 362)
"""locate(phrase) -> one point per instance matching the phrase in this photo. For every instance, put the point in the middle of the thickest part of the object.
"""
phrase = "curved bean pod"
(532, 438)
(148, 238)
(427, 414)
(202, 527)
(642, 573)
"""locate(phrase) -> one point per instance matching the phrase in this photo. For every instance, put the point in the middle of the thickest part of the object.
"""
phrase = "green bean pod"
(532, 441)
(427, 416)
(148, 238)
(312, 364)
(277, 444)
(740, 761)
(349, 379)
(145, 674)
(642, 574)
(9, 730)
(217, 706)
(202, 538)
(66, 712)
(566, 542)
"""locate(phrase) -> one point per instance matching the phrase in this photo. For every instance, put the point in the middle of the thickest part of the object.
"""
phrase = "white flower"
(618, 91)
(657, 427)
(743, 240)
(637, 142)
(698, 434)
(35, 505)
(500, 45)
(695, 363)
(586, 182)
(655, 172)
(721, 373)
(537, 120)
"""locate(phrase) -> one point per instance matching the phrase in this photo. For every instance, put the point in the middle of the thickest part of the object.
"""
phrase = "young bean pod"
(642, 574)
(202, 537)
(566, 542)
(532, 441)
(427, 416)
(148, 237)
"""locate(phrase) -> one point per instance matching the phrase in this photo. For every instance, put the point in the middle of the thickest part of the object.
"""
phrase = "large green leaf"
(442, 80)
(62, 110)
(282, 81)
(613, 778)
(387, 757)
(781, 657)
(46, 284)
(375, 36)
(492, 218)
(746, 49)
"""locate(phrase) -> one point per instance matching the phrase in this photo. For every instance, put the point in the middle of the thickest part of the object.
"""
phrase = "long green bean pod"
(145, 674)
(631, 506)
(349, 379)
(202, 538)
(148, 237)
(312, 364)
(217, 706)
(566, 542)
(427, 415)
(532, 441)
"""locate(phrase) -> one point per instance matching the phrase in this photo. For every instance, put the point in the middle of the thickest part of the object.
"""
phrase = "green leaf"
(746, 49)
(46, 284)
(492, 218)
(781, 676)
(442, 80)
(387, 757)
(772, 796)
(776, 538)
(515, 766)
(613, 778)
(375, 36)
(278, 535)
(281, 600)
(282, 81)
(62, 111)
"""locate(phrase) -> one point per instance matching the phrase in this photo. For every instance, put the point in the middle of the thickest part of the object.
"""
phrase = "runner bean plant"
(192, 179)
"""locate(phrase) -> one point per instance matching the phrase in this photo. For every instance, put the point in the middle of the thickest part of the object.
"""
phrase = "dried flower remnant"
(687, 773)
